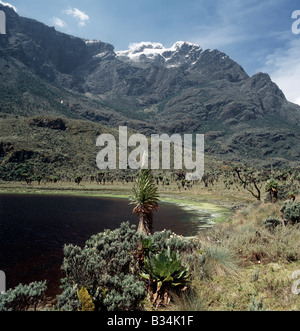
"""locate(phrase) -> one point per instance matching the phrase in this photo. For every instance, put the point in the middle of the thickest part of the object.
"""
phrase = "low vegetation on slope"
(247, 262)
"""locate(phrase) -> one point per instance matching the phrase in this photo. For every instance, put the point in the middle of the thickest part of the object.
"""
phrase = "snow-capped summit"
(90, 42)
(185, 44)
(6, 4)
(181, 52)
(144, 46)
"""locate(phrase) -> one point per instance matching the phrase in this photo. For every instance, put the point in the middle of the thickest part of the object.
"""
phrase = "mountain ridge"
(149, 88)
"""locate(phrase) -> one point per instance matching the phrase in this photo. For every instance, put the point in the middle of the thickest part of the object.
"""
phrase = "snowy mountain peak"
(185, 44)
(181, 52)
(137, 48)
(5, 4)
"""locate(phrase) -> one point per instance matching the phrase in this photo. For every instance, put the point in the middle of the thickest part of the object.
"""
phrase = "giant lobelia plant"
(166, 273)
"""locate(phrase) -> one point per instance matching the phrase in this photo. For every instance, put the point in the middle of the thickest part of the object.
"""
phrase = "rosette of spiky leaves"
(145, 199)
(166, 272)
(145, 196)
(147, 247)
(272, 185)
(272, 188)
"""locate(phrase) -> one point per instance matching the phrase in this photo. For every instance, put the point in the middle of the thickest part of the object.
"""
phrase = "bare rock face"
(43, 49)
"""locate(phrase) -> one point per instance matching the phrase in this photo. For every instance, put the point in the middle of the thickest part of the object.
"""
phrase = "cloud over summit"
(81, 16)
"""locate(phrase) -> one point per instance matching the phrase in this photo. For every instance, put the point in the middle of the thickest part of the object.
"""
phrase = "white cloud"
(58, 22)
(8, 5)
(284, 68)
(79, 15)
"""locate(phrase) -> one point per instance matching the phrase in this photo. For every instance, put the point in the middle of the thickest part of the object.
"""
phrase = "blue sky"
(255, 33)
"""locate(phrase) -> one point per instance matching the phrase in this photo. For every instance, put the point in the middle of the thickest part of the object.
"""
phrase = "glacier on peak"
(136, 48)
(6, 4)
(152, 50)
(91, 42)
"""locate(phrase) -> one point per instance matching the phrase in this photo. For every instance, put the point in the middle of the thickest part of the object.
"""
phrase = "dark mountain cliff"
(150, 88)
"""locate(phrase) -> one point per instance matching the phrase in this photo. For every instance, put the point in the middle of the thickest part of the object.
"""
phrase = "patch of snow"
(145, 47)
(89, 42)
(152, 51)
(8, 5)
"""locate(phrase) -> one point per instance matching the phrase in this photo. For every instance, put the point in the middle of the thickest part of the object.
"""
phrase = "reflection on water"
(34, 230)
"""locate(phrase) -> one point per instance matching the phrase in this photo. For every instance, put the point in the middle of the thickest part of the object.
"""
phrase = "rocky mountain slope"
(150, 88)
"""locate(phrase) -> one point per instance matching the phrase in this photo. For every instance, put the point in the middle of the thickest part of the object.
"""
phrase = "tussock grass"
(219, 261)
(191, 300)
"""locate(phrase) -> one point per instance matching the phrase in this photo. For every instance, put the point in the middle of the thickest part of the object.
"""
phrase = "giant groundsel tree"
(145, 199)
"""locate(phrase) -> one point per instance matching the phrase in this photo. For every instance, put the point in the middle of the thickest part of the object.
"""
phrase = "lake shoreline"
(36, 227)
(219, 212)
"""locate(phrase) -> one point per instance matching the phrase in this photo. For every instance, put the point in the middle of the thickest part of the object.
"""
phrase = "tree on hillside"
(249, 181)
(272, 188)
(145, 199)
(78, 180)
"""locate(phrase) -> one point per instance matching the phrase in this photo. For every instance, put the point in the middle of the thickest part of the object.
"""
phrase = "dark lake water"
(34, 230)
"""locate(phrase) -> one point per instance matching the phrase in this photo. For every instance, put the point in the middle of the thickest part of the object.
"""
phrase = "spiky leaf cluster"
(145, 196)
(272, 185)
(166, 268)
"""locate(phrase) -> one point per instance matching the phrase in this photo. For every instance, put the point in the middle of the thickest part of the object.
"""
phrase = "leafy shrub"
(23, 297)
(125, 293)
(291, 213)
(15, 171)
(107, 268)
(167, 240)
(85, 300)
(68, 300)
